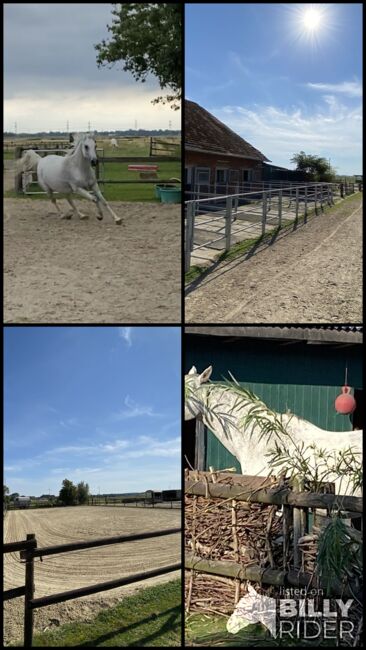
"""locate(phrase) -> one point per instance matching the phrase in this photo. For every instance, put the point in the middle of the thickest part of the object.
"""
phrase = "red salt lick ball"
(345, 403)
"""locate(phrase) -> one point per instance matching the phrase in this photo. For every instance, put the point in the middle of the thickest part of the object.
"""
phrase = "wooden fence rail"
(290, 578)
(283, 497)
(28, 551)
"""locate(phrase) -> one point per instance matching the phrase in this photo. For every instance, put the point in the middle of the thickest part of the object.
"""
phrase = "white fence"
(217, 221)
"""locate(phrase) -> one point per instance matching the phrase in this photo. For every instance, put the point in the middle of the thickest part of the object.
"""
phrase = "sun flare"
(312, 19)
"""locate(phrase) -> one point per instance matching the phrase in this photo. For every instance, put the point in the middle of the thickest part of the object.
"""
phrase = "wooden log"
(302, 499)
(255, 573)
(299, 515)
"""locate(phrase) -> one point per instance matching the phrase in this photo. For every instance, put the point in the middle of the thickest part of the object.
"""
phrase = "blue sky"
(282, 87)
(98, 404)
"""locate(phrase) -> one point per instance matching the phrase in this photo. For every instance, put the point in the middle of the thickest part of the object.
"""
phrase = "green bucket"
(171, 194)
(162, 186)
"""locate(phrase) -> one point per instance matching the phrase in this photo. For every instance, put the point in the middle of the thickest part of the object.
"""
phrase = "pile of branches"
(230, 530)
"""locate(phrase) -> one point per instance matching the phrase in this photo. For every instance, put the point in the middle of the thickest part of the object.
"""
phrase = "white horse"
(225, 413)
(73, 173)
(114, 143)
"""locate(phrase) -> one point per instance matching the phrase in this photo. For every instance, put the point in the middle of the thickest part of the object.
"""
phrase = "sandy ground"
(312, 275)
(89, 271)
(81, 568)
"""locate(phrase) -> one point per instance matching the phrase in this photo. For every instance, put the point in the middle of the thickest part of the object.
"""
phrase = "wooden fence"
(28, 551)
(244, 490)
(163, 148)
(100, 167)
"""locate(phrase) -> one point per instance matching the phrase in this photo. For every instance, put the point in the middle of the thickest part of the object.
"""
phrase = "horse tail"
(28, 162)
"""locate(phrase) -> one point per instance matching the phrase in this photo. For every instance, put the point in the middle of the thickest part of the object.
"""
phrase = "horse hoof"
(118, 222)
(66, 216)
(83, 216)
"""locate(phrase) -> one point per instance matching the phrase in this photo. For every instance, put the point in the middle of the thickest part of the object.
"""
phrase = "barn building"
(300, 368)
(216, 159)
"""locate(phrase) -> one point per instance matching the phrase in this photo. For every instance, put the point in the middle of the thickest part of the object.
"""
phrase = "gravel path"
(313, 275)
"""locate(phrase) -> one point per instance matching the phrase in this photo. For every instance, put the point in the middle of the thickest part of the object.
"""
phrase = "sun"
(312, 19)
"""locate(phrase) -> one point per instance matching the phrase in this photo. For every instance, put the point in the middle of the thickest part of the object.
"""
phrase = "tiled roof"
(204, 132)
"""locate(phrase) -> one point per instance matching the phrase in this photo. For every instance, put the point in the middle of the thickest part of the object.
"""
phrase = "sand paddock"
(81, 568)
(90, 271)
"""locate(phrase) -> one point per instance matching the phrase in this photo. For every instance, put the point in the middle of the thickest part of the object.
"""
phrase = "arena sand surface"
(312, 275)
(67, 571)
(85, 271)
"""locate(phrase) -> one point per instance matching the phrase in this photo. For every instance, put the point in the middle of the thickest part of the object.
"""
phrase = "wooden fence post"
(299, 518)
(29, 594)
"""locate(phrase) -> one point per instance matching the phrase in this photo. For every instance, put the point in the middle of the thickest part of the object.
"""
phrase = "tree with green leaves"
(147, 39)
(82, 492)
(315, 167)
(6, 492)
(68, 493)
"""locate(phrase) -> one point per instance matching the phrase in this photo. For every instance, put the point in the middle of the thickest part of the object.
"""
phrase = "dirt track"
(310, 276)
(58, 271)
(81, 568)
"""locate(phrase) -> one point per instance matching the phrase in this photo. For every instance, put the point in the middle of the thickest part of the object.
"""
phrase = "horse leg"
(101, 199)
(53, 200)
(91, 197)
(75, 210)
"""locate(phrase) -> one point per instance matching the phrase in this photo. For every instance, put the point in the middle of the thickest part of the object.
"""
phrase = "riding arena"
(75, 265)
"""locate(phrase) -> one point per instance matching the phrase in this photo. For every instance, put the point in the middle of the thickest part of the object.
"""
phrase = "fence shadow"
(172, 620)
(261, 244)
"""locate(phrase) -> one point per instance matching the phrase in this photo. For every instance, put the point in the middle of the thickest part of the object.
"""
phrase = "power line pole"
(89, 126)
(67, 126)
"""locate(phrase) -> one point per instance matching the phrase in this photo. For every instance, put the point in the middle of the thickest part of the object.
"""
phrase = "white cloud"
(330, 129)
(135, 410)
(117, 444)
(125, 333)
(348, 88)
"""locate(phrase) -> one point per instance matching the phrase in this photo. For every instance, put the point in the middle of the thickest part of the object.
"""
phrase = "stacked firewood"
(230, 530)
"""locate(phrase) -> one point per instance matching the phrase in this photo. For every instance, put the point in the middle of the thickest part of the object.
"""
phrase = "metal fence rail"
(217, 221)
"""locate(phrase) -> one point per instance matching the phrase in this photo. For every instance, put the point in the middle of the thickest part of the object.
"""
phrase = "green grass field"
(149, 618)
(119, 171)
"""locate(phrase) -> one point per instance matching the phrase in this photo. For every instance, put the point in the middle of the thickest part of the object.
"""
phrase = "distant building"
(153, 495)
(22, 502)
(172, 495)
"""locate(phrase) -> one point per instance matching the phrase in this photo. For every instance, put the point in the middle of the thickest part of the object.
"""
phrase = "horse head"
(193, 381)
(86, 143)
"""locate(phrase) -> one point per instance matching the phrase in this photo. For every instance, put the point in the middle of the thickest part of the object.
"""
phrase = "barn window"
(202, 175)
(234, 175)
(221, 175)
(246, 175)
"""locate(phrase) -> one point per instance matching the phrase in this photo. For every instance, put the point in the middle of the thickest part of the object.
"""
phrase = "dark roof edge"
(196, 149)
(289, 333)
